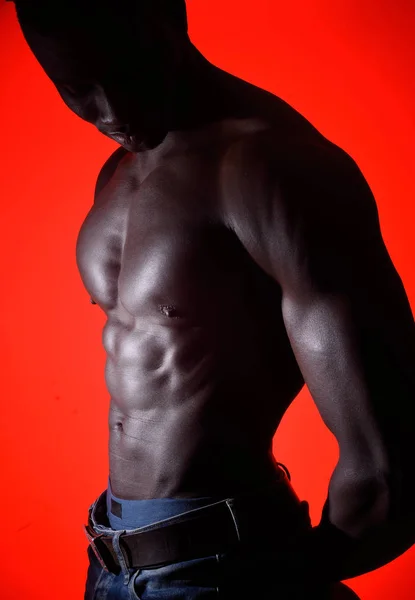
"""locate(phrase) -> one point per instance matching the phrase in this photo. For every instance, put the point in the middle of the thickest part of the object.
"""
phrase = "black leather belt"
(202, 532)
(273, 517)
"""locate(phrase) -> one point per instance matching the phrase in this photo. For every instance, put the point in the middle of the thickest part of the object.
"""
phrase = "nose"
(107, 121)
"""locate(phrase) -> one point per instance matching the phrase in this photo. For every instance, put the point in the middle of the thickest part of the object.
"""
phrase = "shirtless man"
(237, 255)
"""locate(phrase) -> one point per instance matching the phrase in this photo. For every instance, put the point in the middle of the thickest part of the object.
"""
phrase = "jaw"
(135, 143)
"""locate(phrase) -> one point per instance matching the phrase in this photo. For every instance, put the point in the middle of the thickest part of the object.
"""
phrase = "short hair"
(44, 14)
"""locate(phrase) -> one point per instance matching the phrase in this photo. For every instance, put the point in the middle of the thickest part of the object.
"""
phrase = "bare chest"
(159, 248)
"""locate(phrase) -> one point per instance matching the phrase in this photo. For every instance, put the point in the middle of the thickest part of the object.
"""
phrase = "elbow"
(360, 509)
(358, 505)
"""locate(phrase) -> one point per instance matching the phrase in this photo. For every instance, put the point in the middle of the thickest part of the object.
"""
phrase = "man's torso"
(199, 367)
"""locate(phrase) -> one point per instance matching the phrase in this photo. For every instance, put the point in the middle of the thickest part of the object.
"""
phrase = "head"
(115, 63)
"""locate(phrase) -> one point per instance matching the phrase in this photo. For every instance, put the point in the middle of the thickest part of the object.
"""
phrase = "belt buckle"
(108, 563)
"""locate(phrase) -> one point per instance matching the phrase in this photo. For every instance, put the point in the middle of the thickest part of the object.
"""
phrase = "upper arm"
(316, 231)
(346, 311)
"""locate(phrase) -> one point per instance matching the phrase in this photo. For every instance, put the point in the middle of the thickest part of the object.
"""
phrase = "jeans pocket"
(190, 579)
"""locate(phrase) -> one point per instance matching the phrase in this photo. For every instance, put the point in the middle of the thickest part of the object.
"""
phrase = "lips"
(138, 140)
(121, 137)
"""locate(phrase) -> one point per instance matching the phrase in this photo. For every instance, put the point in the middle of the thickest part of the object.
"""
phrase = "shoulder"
(267, 171)
(295, 197)
(108, 169)
(269, 157)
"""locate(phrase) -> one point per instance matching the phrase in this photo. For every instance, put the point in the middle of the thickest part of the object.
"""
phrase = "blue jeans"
(259, 570)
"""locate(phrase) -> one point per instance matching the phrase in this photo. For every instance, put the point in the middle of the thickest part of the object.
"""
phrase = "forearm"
(332, 555)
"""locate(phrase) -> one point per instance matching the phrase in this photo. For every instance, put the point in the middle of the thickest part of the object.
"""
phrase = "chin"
(140, 143)
(135, 146)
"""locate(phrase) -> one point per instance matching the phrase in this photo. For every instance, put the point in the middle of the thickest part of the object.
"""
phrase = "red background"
(347, 65)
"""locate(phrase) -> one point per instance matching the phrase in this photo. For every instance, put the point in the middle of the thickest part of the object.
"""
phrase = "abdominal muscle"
(174, 428)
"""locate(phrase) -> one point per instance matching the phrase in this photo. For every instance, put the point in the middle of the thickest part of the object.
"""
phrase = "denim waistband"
(131, 514)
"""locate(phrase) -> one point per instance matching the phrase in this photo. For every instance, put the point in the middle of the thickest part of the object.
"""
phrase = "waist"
(125, 513)
(138, 472)
(259, 522)
(132, 514)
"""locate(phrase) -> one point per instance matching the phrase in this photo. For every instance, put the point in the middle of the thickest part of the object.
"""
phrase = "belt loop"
(120, 555)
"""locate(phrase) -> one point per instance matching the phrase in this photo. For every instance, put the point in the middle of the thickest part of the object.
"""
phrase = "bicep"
(349, 323)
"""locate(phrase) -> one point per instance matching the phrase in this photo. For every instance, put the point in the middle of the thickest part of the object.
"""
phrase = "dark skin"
(237, 254)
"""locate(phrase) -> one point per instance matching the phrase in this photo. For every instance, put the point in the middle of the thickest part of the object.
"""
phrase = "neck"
(205, 101)
(203, 94)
